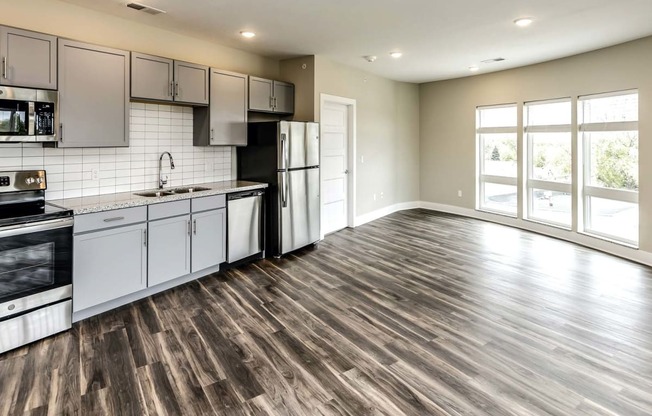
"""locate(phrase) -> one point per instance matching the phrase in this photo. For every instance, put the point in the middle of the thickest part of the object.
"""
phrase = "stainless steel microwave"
(28, 115)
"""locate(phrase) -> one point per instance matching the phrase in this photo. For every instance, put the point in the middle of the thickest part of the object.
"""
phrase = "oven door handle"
(35, 227)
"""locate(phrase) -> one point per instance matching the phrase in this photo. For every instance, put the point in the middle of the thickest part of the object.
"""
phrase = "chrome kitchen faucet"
(162, 181)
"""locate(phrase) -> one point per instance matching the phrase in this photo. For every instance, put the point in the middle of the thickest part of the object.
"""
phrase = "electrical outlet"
(95, 174)
(382, 195)
(459, 193)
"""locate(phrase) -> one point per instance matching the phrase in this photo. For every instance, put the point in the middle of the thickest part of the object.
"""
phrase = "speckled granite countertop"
(99, 203)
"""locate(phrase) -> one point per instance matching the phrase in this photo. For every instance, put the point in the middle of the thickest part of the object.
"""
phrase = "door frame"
(350, 104)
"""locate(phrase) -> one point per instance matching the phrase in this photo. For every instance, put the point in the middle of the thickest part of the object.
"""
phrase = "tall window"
(497, 158)
(547, 127)
(608, 127)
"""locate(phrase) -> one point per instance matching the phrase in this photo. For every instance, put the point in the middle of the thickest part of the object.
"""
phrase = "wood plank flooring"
(418, 313)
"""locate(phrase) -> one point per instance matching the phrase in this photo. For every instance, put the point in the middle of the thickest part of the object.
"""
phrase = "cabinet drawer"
(168, 209)
(109, 219)
(208, 202)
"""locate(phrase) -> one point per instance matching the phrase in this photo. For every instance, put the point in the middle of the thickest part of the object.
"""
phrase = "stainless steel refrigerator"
(285, 154)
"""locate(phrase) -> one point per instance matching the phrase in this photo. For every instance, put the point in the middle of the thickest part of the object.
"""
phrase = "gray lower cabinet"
(208, 239)
(169, 241)
(169, 249)
(93, 95)
(224, 122)
(163, 79)
(29, 59)
(270, 96)
(109, 264)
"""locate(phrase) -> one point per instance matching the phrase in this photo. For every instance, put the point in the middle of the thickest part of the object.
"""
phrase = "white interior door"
(334, 165)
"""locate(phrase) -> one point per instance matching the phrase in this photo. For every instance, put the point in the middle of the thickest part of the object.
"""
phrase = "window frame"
(530, 183)
(586, 190)
(481, 178)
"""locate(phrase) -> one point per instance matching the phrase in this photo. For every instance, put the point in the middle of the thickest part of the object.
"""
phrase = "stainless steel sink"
(154, 194)
(188, 189)
(173, 191)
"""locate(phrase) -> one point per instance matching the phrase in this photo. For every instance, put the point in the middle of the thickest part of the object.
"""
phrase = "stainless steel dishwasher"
(244, 210)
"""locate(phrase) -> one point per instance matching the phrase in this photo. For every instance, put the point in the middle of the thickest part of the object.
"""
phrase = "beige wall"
(292, 70)
(387, 132)
(447, 117)
(70, 21)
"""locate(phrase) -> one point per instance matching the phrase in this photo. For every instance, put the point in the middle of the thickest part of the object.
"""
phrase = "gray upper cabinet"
(29, 59)
(225, 120)
(261, 94)
(152, 77)
(190, 83)
(270, 96)
(93, 95)
(283, 97)
(162, 79)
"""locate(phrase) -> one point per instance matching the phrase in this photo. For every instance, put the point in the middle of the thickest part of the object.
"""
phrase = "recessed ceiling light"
(247, 34)
(370, 58)
(474, 68)
(523, 21)
(396, 55)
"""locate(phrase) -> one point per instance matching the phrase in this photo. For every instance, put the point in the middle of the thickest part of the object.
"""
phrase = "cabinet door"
(109, 264)
(228, 109)
(283, 97)
(29, 59)
(151, 77)
(191, 83)
(260, 94)
(208, 239)
(168, 249)
(93, 95)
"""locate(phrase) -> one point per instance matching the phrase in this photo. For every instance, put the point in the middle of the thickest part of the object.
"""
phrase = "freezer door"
(312, 144)
(299, 207)
(298, 145)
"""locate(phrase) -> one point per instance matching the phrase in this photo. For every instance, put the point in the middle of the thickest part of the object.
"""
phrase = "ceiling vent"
(492, 60)
(144, 8)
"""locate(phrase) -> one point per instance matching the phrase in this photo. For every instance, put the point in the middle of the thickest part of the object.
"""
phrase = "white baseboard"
(629, 253)
(379, 213)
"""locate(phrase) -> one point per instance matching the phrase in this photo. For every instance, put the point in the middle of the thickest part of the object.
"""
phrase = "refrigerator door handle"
(284, 190)
(284, 151)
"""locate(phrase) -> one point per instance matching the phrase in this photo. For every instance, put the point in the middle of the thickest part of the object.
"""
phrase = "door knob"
(346, 172)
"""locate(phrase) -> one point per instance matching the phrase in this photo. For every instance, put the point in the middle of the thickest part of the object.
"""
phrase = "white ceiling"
(439, 39)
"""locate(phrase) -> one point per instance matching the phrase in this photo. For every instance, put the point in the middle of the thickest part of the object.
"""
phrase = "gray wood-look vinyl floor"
(418, 313)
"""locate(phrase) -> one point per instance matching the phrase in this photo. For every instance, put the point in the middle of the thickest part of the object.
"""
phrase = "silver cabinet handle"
(4, 67)
(176, 89)
(212, 134)
(189, 228)
(171, 94)
(194, 227)
(61, 131)
(271, 102)
(114, 219)
(145, 237)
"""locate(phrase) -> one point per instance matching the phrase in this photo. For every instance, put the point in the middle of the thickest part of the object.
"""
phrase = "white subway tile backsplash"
(154, 129)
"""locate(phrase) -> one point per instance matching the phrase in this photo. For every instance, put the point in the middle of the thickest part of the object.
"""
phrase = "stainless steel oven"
(28, 115)
(35, 261)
